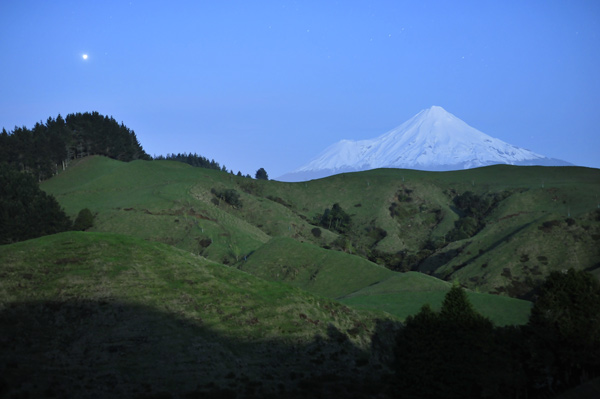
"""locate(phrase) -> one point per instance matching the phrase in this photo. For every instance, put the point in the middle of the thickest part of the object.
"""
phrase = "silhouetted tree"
(25, 210)
(261, 174)
(453, 353)
(564, 330)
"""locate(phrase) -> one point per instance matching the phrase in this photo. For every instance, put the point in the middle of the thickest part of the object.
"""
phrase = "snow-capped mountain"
(433, 139)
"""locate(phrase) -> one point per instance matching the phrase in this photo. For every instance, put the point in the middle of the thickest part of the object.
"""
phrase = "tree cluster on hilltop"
(194, 159)
(50, 146)
(197, 161)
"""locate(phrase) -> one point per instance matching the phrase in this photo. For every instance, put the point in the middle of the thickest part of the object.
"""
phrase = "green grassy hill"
(196, 282)
(362, 284)
(98, 313)
(173, 203)
(539, 219)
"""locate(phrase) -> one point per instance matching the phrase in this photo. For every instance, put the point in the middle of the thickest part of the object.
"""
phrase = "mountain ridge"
(432, 140)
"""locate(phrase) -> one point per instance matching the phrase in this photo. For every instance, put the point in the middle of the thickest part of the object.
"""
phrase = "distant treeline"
(195, 160)
(51, 146)
(191, 159)
(48, 147)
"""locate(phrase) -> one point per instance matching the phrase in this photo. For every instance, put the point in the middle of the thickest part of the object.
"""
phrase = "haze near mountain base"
(433, 140)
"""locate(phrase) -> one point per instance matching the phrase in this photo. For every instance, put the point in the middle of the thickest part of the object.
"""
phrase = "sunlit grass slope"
(80, 308)
(110, 267)
(363, 284)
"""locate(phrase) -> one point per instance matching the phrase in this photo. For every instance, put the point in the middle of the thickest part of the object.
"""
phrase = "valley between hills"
(216, 276)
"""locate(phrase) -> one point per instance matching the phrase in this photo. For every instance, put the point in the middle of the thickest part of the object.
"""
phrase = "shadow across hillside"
(107, 349)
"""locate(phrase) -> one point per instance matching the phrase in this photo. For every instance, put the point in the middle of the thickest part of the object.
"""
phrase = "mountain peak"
(433, 139)
(436, 110)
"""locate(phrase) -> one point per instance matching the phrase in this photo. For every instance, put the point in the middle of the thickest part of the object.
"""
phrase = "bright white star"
(85, 56)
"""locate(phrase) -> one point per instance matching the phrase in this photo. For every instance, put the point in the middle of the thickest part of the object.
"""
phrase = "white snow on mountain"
(433, 139)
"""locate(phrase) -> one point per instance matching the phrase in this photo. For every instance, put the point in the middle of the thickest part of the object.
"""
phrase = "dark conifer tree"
(261, 174)
(25, 210)
(453, 353)
(564, 331)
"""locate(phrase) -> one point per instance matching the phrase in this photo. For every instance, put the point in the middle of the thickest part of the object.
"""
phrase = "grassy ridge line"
(365, 285)
(157, 201)
(172, 203)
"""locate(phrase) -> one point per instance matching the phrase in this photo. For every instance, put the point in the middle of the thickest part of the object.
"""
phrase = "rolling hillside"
(537, 219)
(363, 284)
(192, 281)
(98, 314)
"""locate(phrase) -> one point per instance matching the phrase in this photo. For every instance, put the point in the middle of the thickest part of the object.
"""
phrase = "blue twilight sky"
(272, 83)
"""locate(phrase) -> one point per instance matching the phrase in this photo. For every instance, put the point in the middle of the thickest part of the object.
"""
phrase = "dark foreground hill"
(104, 315)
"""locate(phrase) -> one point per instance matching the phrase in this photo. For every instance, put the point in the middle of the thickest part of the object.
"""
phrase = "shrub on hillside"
(464, 228)
(230, 196)
(84, 220)
(334, 219)
(547, 226)
(376, 234)
(473, 209)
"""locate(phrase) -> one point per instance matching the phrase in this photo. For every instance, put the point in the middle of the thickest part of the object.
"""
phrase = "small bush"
(506, 272)
(84, 220)
(279, 200)
(376, 233)
(230, 196)
(335, 218)
(316, 232)
(547, 226)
